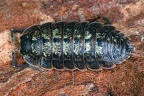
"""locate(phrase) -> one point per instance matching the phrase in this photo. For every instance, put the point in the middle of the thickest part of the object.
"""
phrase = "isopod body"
(74, 45)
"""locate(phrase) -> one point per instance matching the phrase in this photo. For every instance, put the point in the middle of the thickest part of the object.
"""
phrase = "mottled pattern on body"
(74, 45)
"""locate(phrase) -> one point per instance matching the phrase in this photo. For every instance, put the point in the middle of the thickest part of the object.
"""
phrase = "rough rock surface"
(127, 79)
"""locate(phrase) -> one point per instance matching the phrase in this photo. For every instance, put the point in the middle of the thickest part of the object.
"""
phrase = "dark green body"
(74, 45)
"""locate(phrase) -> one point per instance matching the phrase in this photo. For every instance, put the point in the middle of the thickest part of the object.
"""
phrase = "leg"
(14, 64)
(101, 19)
(73, 78)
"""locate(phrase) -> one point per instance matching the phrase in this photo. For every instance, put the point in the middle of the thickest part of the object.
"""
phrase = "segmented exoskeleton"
(73, 45)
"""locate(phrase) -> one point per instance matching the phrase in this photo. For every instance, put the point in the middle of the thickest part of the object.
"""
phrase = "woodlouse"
(72, 45)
